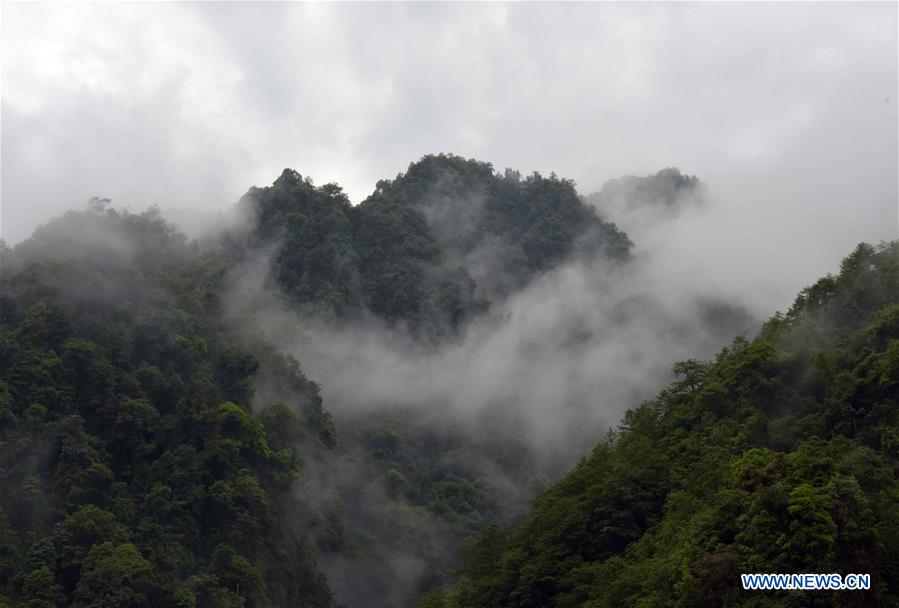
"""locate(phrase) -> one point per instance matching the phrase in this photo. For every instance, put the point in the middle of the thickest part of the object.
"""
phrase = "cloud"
(786, 110)
(556, 363)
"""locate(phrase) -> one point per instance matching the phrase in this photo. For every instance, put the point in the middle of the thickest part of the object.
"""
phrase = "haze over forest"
(447, 305)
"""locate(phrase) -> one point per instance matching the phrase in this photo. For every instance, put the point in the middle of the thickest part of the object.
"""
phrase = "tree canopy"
(132, 470)
(427, 249)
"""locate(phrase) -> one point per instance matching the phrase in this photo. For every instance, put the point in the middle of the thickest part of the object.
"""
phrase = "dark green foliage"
(337, 261)
(315, 262)
(410, 460)
(779, 456)
(523, 226)
(132, 472)
(424, 249)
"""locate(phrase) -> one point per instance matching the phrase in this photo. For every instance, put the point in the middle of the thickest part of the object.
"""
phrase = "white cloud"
(781, 108)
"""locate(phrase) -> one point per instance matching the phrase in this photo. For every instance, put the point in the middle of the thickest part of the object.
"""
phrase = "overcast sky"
(787, 111)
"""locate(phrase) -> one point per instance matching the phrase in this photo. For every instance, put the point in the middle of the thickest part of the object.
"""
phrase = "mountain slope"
(132, 471)
(781, 455)
(428, 249)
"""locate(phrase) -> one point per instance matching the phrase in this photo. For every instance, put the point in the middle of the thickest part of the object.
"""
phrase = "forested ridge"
(407, 253)
(156, 449)
(133, 472)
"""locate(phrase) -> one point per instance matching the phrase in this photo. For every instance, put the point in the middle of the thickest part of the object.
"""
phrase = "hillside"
(780, 455)
(132, 471)
(428, 249)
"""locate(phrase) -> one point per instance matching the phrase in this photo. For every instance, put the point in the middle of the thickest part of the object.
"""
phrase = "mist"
(546, 372)
(563, 358)
(785, 113)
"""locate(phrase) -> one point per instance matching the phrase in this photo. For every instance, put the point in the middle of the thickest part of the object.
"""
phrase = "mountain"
(156, 451)
(132, 471)
(428, 249)
(161, 444)
(780, 455)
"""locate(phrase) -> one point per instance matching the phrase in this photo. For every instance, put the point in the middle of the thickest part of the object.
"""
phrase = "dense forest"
(133, 473)
(427, 249)
(158, 447)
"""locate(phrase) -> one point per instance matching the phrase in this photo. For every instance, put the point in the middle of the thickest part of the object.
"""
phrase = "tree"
(114, 576)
